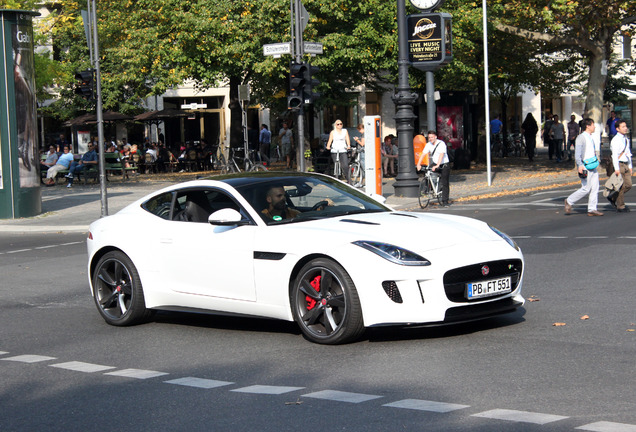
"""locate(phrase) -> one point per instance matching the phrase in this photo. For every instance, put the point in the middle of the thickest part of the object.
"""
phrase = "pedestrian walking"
(529, 128)
(585, 151)
(265, 139)
(622, 161)
(573, 131)
(611, 125)
(545, 133)
(557, 134)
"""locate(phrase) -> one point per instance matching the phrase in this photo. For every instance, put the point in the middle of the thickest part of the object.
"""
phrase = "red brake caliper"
(315, 284)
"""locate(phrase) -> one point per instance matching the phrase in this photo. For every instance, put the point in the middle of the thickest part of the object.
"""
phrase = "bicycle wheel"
(356, 174)
(425, 193)
(258, 167)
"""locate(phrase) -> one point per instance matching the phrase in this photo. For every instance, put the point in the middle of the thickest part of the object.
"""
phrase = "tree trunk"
(236, 114)
(596, 88)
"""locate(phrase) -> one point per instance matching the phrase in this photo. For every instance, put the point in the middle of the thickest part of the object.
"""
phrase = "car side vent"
(403, 214)
(359, 222)
(391, 289)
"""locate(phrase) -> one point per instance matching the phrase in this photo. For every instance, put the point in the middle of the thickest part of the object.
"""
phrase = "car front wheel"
(325, 303)
(117, 291)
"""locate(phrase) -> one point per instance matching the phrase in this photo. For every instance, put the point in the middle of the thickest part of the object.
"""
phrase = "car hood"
(415, 231)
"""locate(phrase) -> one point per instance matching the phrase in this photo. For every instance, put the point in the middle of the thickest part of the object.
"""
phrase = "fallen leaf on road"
(631, 329)
(585, 317)
(558, 324)
(533, 298)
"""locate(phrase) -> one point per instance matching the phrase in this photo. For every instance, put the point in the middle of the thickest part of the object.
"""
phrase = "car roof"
(244, 179)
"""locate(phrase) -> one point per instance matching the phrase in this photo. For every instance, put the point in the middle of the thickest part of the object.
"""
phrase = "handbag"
(591, 163)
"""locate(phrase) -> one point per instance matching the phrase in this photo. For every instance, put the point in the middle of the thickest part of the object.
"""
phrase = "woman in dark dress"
(529, 128)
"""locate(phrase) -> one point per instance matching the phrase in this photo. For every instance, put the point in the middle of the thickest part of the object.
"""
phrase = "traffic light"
(298, 72)
(84, 87)
(309, 96)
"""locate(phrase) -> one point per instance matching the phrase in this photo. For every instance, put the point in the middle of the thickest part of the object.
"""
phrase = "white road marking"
(41, 247)
(520, 237)
(425, 405)
(552, 237)
(28, 358)
(136, 373)
(266, 389)
(520, 416)
(4, 352)
(340, 396)
(604, 426)
(592, 237)
(198, 382)
(627, 237)
(82, 367)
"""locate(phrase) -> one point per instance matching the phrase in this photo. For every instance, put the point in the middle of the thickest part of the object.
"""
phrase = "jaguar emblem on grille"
(485, 270)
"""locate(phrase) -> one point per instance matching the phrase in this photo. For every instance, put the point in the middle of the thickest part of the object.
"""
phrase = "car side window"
(159, 205)
(196, 205)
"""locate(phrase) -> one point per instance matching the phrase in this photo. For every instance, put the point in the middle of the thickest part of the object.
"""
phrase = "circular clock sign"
(427, 5)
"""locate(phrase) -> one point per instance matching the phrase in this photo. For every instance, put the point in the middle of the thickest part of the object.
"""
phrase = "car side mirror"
(227, 217)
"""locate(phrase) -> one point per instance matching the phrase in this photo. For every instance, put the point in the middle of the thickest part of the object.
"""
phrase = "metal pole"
(300, 144)
(90, 39)
(430, 101)
(406, 183)
(100, 118)
(486, 92)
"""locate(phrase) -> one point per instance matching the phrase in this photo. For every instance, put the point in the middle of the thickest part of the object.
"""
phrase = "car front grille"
(455, 280)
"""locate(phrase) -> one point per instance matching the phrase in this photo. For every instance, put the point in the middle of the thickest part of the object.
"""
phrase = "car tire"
(332, 313)
(117, 291)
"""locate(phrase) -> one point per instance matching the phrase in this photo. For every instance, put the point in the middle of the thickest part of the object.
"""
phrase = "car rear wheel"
(117, 291)
(325, 303)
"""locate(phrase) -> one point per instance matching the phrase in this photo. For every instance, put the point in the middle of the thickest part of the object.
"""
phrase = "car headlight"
(393, 253)
(505, 236)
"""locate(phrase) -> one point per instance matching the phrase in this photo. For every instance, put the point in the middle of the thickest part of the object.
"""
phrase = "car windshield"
(290, 199)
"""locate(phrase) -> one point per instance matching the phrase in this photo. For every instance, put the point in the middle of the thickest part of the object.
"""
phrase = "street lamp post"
(406, 183)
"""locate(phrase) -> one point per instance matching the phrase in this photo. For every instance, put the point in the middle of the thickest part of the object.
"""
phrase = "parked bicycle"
(429, 188)
(356, 168)
(235, 162)
(517, 144)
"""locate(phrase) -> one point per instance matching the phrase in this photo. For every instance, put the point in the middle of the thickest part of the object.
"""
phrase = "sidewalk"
(72, 210)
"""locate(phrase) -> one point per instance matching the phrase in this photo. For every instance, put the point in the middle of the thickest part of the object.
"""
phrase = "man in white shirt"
(622, 161)
(439, 163)
(585, 149)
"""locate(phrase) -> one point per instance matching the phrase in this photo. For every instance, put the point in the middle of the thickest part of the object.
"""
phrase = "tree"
(586, 27)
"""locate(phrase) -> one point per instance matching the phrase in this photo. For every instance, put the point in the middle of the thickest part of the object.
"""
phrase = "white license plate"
(488, 288)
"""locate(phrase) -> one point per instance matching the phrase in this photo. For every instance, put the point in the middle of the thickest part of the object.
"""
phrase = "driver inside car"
(277, 205)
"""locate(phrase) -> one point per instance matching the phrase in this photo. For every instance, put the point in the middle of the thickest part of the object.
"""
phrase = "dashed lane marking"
(28, 358)
(331, 395)
(604, 426)
(40, 248)
(82, 367)
(341, 396)
(552, 237)
(267, 389)
(198, 382)
(136, 373)
(520, 416)
(426, 405)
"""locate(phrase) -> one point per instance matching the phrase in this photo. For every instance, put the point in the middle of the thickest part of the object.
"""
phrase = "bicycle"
(356, 169)
(249, 164)
(518, 144)
(429, 188)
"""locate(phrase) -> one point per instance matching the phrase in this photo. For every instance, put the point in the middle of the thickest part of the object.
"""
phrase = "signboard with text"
(429, 40)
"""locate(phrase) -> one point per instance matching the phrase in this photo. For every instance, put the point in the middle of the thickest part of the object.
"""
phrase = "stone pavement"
(72, 210)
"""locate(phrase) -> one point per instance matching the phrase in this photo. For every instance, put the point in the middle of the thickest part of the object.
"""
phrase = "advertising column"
(19, 158)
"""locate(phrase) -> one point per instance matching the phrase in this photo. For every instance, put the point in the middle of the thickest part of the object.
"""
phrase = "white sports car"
(301, 247)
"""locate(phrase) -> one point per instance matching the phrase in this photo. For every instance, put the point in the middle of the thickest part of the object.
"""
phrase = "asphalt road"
(517, 372)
